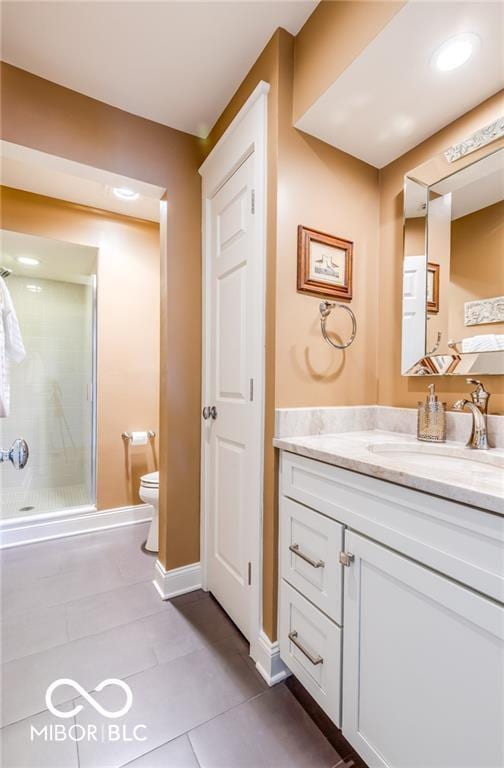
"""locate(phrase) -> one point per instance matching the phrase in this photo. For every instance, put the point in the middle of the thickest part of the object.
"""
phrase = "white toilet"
(149, 493)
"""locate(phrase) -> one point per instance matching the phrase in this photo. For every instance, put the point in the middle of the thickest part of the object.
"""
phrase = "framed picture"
(324, 264)
(432, 288)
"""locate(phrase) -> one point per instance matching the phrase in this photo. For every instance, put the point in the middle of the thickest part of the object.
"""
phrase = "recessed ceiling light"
(455, 52)
(123, 193)
(28, 261)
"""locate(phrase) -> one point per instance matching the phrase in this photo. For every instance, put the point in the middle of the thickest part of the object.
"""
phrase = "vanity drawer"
(461, 541)
(310, 645)
(310, 544)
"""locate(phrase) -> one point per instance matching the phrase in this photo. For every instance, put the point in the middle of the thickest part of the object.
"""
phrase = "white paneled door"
(232, 426)
(414, 303)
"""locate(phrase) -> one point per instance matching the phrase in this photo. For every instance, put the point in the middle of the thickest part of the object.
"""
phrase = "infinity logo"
(85, 695)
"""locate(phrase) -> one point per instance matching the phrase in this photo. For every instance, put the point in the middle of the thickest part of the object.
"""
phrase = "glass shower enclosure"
(52, 285)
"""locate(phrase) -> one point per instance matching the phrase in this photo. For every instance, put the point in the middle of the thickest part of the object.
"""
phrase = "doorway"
(81, 264)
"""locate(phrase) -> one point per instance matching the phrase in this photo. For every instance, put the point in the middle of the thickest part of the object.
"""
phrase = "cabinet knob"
(346, 558)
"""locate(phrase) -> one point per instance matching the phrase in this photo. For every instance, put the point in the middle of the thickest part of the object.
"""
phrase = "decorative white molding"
(477, 140)
(72, 522)
(206, 168)
(484, 311)
(268, 662)
(177, 581)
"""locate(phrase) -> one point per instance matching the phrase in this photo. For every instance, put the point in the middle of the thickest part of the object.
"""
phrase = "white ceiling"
(177, 63)
(59, 260)
(391, 98)
(43, 174)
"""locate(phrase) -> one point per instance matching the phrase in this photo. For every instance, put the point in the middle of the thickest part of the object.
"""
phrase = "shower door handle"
(17, 454)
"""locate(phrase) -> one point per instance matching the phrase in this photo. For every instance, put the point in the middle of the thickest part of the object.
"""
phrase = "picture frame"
(433, 288)
(325, 264)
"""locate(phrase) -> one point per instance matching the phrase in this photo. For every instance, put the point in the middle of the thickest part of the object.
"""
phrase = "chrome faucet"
(478, 405)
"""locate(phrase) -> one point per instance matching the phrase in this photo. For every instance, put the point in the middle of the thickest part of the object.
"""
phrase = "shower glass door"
(52, 391)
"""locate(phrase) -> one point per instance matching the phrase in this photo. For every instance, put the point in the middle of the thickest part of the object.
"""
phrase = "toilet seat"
(150, 481)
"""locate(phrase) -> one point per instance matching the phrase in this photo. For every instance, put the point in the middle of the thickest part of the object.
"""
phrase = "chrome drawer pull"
(315, 563)
(314, 659)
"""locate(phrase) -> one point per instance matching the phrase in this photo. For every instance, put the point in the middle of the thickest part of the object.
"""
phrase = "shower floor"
(41, 500)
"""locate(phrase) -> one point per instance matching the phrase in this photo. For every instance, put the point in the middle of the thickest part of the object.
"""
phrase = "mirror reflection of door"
(414, 274)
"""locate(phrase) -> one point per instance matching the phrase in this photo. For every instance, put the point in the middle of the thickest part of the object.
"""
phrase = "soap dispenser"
(431, 425)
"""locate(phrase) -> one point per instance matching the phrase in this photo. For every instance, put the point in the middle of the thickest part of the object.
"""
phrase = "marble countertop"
(447, 469)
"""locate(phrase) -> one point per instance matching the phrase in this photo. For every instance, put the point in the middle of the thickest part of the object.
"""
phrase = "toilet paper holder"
(128, 435)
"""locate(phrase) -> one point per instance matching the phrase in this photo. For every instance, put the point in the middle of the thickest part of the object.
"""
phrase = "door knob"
(213, 412)
(17, 454)
(209, 412)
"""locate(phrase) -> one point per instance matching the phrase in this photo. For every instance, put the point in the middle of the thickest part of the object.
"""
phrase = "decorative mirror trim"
(469, 364)
(484, 311)
(477, 140)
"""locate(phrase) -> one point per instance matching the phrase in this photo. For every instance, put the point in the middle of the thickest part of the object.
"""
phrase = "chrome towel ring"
(325, 308)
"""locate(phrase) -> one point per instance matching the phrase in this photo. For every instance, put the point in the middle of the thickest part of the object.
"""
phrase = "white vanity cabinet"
(423, 666)
(404, 636)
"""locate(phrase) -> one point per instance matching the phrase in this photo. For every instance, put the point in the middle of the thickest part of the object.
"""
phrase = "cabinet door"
(423, 665)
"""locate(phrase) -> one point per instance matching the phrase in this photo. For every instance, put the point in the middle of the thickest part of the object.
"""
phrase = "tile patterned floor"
(85, 608)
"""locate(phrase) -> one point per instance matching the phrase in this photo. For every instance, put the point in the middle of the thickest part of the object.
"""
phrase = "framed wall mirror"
(453, 268)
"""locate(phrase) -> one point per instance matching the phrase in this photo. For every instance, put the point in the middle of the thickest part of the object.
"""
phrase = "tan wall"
(305, 178)
(328, 190)
(477, 266)
(50, 118)
(331, 39)
(394, 389)
(128, 327)
(414, 236)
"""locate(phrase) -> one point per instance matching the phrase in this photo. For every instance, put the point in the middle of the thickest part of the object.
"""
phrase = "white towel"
(484, 342)
(11, 345)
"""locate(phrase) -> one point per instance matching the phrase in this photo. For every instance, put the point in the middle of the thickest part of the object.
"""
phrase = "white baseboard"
(177, 581)
(268, 662)
(57, 525)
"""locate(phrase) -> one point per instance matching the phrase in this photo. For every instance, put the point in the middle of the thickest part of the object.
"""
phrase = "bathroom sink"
(438, 457)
